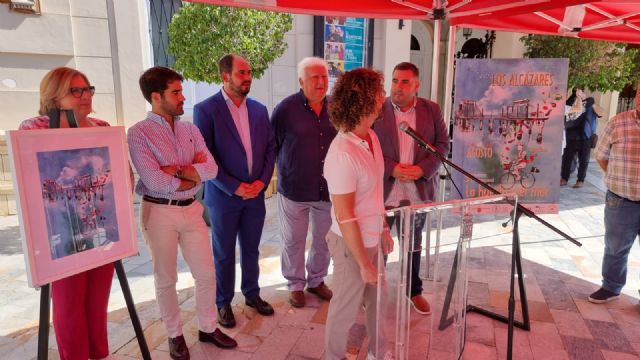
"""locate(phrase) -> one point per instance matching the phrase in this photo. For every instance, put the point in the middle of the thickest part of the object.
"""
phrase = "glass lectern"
(461, 248)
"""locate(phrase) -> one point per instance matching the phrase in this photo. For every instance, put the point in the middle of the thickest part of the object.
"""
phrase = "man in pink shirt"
(172, 161)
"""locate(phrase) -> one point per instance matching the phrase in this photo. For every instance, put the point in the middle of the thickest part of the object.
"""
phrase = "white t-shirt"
(350, 167)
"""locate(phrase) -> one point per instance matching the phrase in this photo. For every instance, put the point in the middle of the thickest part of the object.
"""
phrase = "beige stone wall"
(508, 45)
(101, 38)
(7, 196)
(105, 39)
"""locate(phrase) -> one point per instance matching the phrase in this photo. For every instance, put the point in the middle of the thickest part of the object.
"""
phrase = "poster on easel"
(74, 199)
(508, 128)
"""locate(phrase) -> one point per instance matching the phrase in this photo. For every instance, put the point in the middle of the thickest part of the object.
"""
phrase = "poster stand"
(45, 290)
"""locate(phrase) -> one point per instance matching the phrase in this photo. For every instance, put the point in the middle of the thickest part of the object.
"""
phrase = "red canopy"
(399, 9)
(617, 20)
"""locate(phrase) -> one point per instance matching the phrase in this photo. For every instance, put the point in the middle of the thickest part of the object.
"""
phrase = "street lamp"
(466, 32)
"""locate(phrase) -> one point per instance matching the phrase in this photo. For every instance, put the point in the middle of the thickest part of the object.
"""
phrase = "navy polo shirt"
(302, 138)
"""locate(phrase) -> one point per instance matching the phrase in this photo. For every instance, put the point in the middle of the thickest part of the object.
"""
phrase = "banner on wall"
(508, 127)
(345, 44)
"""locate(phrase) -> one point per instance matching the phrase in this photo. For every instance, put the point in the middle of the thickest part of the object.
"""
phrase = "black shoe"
(602, 296)
(178, 349)
(217, 338)
(225, 316)
(261, 306)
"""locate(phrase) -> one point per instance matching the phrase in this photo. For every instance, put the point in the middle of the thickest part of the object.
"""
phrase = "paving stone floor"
(558, 277)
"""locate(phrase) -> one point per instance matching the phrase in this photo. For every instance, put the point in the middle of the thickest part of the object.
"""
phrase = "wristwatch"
(178, 173)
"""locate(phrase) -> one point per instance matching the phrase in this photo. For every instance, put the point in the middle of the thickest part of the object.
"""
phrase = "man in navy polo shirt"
(303, 134)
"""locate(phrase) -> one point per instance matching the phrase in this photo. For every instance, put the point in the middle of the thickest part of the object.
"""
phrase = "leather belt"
(162, 201)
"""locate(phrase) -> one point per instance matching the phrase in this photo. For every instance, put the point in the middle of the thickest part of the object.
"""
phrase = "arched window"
(415, 45)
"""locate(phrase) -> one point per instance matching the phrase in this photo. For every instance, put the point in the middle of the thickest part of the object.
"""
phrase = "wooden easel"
(45, 290)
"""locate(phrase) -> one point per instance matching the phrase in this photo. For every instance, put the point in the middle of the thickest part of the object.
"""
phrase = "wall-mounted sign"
(344, 42)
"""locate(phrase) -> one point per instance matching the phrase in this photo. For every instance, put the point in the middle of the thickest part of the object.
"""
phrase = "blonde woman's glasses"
(79, 91)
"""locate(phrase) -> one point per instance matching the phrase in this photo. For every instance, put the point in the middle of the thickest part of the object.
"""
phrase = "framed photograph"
(74, 199)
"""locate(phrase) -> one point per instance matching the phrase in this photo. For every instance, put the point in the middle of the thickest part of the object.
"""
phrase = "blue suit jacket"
(431, 127)
(214, 120)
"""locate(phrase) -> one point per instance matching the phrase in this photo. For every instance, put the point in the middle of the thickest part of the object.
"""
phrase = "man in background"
(172, 162)
(410, 173)
(303, 134)
(618, 154)
(236, 130)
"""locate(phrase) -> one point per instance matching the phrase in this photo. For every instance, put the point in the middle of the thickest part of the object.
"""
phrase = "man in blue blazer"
(237, 131)
(410, 174)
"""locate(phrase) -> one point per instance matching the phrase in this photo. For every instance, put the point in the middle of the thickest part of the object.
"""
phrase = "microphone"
(404, 126)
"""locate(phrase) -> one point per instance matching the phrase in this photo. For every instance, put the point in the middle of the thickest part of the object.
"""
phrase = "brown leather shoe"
(322, 291)
(217, 338)
(563, 182)
(578, 184)
(421, 305)
(297, 299)
(178, 349)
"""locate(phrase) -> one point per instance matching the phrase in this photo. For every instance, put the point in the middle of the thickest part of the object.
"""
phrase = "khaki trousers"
(350, 293)
(165, 228)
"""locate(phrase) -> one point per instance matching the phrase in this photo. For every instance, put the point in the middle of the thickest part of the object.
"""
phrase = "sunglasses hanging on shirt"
(54, 118)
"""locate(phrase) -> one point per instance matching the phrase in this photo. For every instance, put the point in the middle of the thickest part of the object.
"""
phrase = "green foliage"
(636, 71)
(594, 65)
(199, 35)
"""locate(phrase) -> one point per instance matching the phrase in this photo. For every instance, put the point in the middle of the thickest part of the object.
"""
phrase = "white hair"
(309, 62)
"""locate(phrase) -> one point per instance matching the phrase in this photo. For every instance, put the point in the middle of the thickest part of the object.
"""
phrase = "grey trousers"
(350, 293)
(294, 225)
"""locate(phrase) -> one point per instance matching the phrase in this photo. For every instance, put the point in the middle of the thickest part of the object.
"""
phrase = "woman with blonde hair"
(79, 301)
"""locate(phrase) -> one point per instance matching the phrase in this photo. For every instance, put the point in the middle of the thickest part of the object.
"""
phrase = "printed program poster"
(344, 44)
(508, 128)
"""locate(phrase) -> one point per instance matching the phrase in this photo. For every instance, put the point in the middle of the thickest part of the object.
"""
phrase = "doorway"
(421, 55)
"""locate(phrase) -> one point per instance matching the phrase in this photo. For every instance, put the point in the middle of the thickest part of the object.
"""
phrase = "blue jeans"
(622, 225)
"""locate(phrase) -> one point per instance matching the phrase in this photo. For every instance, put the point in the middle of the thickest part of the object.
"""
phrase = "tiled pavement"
(558, 276)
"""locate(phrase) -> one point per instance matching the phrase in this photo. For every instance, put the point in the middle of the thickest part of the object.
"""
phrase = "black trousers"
(583, 149)
(414, 275)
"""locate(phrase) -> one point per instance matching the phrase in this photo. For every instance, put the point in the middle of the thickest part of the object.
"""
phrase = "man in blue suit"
(237, 131)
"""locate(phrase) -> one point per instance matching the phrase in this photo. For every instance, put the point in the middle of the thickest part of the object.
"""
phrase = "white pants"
(164, 227)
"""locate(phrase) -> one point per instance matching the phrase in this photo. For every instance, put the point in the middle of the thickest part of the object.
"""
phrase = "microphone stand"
(516, 258)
